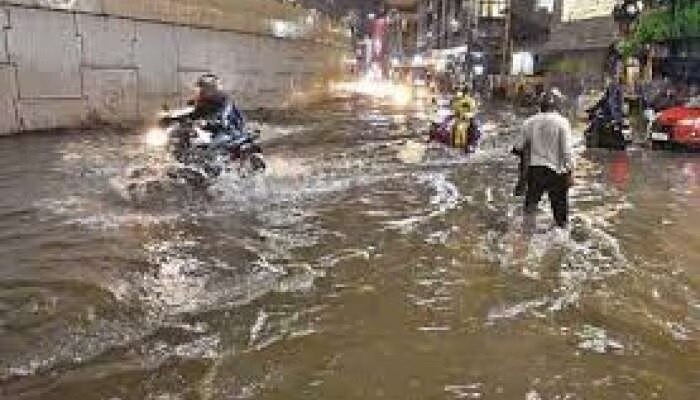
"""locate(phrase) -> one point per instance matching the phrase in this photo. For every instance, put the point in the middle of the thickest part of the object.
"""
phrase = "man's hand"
(569, 179)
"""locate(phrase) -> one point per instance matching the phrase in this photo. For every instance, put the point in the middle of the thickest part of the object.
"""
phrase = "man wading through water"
(546, 143)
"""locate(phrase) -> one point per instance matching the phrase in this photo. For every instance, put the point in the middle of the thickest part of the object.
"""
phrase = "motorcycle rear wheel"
(257, 162)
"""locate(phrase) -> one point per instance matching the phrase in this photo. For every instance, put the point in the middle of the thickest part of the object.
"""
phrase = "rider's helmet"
(551, 100)
(464, 105)
(208, 82)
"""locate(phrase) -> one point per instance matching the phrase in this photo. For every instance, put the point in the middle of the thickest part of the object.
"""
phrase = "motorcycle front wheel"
(257, 162)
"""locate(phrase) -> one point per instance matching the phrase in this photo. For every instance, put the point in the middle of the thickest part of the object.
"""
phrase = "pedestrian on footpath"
(547, 139)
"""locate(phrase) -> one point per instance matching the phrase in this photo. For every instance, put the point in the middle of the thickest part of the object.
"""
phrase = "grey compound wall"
(69, 63)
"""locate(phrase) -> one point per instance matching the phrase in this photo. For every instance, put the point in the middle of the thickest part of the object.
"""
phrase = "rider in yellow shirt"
(465, 131)
(463, 105)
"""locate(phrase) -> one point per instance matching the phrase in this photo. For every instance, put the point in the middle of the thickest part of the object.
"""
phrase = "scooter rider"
(464, 108)
(463, 104)
(213, 105)
(608, 108)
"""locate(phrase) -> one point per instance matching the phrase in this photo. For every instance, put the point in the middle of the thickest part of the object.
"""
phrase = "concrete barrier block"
(150, 104)
(46, 49)
(244, 88)
(160, 10)
(39, 114)
(107, 41)
(8, 98)
(94, 6)
(157, 59)
(232, 81)
(243, 15)
(112, 95)
(222, 49)
(193, 48)
(193, 12)
(4, 25)
(244, 22)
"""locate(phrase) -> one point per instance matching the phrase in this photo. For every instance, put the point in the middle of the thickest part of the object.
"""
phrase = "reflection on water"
(363, 264)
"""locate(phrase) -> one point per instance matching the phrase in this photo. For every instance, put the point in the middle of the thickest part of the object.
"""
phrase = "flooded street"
(362, 265)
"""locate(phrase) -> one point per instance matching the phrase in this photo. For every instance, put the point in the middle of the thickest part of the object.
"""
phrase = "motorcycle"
(441, 132)
(456, 132)
(607, 133)
(205, 149)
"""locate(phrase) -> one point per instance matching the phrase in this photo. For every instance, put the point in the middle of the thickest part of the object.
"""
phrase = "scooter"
(456, 132)
(609, 134)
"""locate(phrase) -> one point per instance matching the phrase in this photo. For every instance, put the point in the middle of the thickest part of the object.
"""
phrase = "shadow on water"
(363, 264)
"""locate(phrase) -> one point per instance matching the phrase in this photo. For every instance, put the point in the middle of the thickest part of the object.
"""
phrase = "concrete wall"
(67, 63)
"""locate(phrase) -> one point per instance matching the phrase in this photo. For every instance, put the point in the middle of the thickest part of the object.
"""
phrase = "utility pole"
(506, 40)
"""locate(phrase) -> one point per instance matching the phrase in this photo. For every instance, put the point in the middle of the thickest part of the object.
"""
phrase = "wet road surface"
(363, 265)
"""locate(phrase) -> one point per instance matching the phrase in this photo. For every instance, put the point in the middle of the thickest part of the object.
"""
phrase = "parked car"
(676, 127)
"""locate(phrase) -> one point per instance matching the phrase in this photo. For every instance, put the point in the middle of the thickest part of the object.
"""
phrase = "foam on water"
(445, 196)
(229, 278)
(589, 252)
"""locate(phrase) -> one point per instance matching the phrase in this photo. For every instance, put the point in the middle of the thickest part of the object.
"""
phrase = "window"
(492, 8)
(546, 4)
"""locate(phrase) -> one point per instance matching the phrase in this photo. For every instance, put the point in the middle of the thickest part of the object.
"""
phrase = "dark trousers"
(524, 161)
(541, 180)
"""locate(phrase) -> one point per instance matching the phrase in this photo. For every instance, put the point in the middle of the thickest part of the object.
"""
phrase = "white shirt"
(549, 138)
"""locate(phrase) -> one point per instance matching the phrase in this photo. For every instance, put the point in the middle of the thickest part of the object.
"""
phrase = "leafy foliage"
(664, 24)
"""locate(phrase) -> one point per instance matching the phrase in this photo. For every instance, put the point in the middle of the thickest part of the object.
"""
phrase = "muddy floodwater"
(364, 264)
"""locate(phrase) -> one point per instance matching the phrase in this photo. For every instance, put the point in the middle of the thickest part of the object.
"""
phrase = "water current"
(364, 264)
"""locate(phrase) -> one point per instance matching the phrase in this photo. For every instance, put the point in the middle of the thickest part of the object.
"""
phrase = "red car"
(677, 127)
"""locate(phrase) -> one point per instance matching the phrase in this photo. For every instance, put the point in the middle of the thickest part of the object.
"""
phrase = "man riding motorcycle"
(608, 109)
(220, 130)
(224, 120)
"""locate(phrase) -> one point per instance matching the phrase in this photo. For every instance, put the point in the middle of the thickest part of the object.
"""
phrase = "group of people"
(544, 147)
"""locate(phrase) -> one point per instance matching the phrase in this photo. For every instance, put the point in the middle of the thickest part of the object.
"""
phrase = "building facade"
(582, 35)
(495, 29)
(576, 10)
(444, 24)
(402, 35)
(480, 26)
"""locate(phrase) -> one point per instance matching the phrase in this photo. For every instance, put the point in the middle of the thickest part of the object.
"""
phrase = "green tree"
(676, 19)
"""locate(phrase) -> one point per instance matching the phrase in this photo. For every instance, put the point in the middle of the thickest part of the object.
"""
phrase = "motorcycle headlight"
(156, 137)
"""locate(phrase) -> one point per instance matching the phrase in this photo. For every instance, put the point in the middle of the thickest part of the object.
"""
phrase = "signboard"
(573, 10)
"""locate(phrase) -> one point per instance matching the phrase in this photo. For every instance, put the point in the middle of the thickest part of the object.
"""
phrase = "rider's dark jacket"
(611, 103)
(218, 108)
